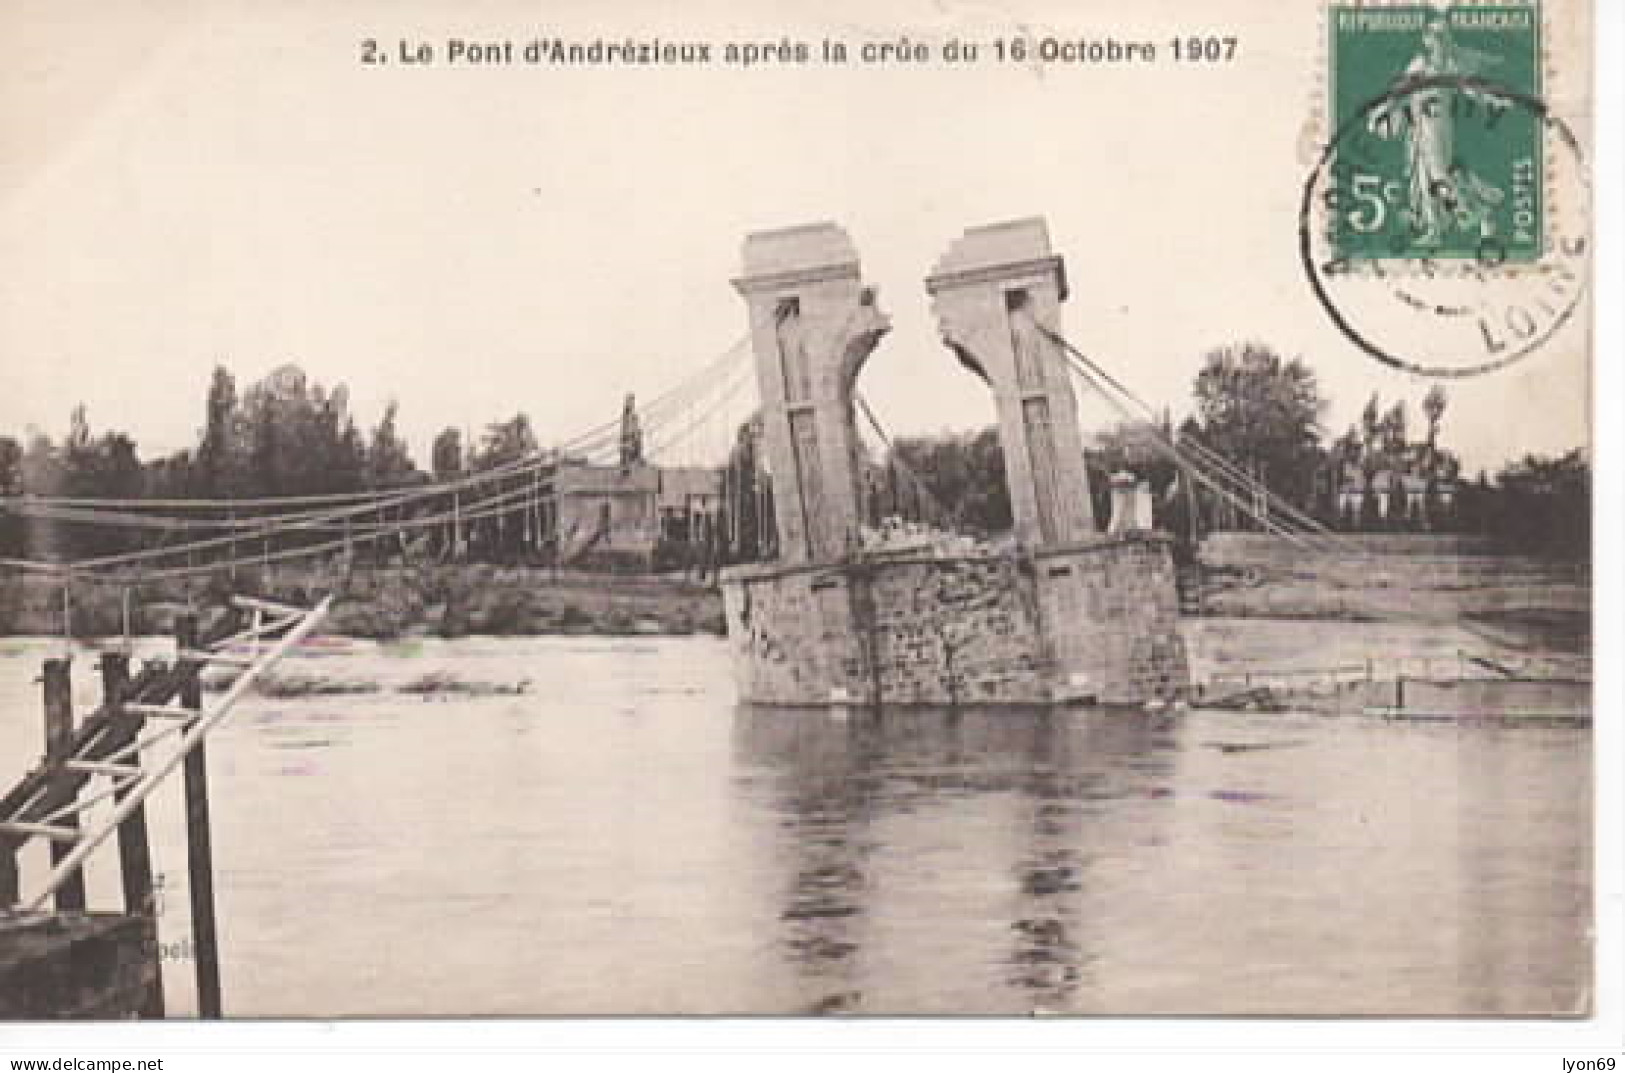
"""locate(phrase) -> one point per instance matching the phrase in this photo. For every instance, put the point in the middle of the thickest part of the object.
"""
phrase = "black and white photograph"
(923, 510)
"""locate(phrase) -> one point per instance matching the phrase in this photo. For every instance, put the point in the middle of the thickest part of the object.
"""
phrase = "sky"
(192, 182)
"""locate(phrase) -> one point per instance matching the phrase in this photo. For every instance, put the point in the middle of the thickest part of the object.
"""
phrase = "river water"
(621, 838)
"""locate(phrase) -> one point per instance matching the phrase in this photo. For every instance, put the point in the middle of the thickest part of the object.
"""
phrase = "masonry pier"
(1068, 614)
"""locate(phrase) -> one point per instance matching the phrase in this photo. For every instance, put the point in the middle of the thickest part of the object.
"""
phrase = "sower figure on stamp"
(1443, 190)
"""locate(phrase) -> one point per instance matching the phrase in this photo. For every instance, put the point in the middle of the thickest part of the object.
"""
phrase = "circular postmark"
(1430, 261)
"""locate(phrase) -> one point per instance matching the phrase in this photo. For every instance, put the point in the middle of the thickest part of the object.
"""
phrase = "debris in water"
(1255, 699)
(292, 684)
(444, 683)
(1239, 797)
(1250, 746)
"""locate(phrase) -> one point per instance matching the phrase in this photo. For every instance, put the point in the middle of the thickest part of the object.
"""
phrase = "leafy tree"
(339, 447)
(504, 442)
(11, 483)
(302, 439)
(41, 465)
(389, 462)
(1544, 505)
(1263, 414)
(1433, 405)
(1371, 459)
(78, 440)
(502, 537)
(169, 477)
(747, 502)
(963, 473)
(1474, 508)
(85, 466)
(1433, 512)
(1371, 421)
(446, 456)
(1345, 459)
(219, 460)
(42, 474)
(11, 466)
(108, 468)
(1394, 435)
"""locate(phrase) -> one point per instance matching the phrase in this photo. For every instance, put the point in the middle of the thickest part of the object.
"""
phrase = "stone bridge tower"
(813, 324)
(996, 291)
(1071, 615)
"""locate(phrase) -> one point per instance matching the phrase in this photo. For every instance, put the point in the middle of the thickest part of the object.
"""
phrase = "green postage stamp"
(1438, 127)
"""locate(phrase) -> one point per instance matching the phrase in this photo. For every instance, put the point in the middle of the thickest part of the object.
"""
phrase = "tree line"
(284, 435)
(290, 435)
(1264, 415)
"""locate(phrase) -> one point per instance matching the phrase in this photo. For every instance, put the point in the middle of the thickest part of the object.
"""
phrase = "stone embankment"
(1517, 602)
(389, 602)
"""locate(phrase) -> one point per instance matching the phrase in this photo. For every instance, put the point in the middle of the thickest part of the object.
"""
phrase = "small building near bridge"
(622, 515)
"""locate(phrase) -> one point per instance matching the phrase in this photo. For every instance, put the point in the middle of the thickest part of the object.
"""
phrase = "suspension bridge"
(1072, 610)
(513, 503)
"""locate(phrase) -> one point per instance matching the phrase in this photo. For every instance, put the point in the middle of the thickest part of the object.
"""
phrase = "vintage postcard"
(729, 509)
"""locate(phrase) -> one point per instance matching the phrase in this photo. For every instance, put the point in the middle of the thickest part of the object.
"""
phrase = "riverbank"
(1533, 607)
(1408, 624)
(390, 602)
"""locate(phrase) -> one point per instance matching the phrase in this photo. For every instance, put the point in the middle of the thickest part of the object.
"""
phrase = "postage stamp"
(1448, 167)
(1445, 228)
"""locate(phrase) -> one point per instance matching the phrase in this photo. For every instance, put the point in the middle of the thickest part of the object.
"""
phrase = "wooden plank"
(56, 832)
(254, 633)
(203, 655)
(58, 685)
(250, 603)
(199, 846)
(77, 806)
(101, 767)
(137, 745)
(35, 790)
(194, 733)
(185, 679)
(40, 790)
(159, 711)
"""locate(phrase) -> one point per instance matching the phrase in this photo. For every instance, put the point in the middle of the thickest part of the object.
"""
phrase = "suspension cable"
(1191, 443)
(895, 456)
(532, 464)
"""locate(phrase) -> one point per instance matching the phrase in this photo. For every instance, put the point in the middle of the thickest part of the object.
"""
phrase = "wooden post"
(58, 746)
(134, 850)
(199, 851)
(9, 884)
(10, 887)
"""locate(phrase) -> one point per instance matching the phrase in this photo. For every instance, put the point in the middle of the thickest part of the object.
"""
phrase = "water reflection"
(1504, 902)
(826, 799)
(631, 843)
(1066, 791)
